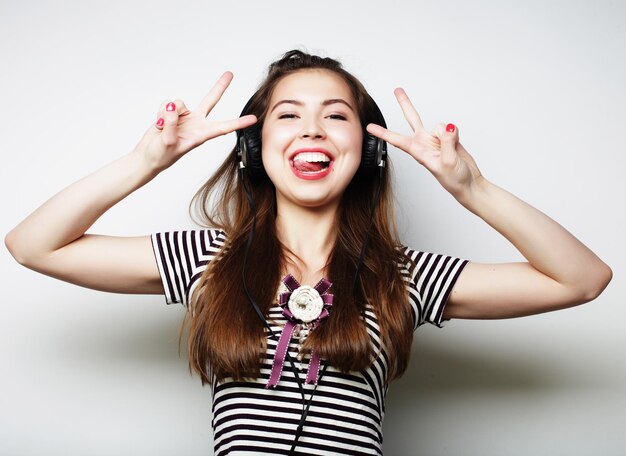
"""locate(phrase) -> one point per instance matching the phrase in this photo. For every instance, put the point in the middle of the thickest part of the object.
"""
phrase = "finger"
(398, 140)
(226, 126)
(159, 122)
(439, 129)
(449, 138)
(211, 98)
(436, 135)
(410, 114)
(180, 106)
(169, 135)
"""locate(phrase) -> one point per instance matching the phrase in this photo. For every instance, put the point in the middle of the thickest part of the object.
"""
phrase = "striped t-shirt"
(347, 411)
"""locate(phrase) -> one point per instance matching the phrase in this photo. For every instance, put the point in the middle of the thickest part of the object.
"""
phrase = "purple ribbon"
(292, 324)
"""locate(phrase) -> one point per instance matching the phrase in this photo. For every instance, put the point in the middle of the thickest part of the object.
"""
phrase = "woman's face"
(311, 138)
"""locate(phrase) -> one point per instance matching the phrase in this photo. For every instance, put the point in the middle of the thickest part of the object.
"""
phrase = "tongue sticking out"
(306, 166)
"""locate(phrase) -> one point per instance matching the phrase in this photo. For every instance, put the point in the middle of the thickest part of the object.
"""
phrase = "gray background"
(537, 91)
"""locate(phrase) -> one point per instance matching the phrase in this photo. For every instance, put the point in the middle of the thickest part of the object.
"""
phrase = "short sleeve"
(430, 279)
(181, 257)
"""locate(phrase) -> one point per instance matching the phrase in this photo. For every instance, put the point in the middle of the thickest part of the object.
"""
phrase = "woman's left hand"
(439, 151)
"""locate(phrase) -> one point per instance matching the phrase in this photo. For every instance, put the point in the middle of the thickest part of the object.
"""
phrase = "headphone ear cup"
(369, 156)
(252, 149)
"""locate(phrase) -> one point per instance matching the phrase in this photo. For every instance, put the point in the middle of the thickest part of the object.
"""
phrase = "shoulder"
(198, 243)
(213, 236)
(419, 261)
(422, 268)
(182, 256)
(430, 278)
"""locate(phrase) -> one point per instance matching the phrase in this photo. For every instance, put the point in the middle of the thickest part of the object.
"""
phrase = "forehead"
(312, 83)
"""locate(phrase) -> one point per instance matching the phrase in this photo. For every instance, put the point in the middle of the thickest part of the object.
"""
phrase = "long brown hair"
(227, 338)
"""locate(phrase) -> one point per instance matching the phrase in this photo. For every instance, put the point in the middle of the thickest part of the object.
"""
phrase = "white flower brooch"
(304, 307)
(305, 303)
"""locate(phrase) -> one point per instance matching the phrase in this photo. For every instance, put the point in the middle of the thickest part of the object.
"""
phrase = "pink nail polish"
(450, 127)
(160, 122)
(170, 106)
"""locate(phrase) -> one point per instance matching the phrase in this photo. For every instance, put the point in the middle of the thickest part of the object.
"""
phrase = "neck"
(309, 232)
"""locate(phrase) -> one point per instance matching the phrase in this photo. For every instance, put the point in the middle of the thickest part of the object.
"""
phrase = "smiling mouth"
(311, 162)
(310, 167)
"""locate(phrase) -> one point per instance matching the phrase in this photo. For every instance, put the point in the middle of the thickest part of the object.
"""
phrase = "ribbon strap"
(279, 355)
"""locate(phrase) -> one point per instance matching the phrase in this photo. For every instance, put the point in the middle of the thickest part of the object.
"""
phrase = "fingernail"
(170, 106)
(160, 122)
(450, 128)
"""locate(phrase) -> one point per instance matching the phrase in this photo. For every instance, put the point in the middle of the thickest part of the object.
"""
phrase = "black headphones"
(248, 148)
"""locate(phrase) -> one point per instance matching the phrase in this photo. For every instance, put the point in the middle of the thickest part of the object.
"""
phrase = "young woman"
(302, 300)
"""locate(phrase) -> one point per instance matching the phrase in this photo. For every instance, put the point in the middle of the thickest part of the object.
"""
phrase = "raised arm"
(52, 239)
(561, 271)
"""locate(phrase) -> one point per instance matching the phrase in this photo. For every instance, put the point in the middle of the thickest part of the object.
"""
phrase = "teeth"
(312, 157)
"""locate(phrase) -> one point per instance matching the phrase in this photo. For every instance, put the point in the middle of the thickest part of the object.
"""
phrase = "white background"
(537, 92)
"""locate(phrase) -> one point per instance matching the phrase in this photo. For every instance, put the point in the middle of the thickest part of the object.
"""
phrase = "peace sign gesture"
(439, 151)
(178, 130)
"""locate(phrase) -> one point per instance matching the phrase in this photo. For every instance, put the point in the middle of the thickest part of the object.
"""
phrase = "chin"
(309, 199)
(312, 201)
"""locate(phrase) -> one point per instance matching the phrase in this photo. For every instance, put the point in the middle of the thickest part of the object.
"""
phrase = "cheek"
(274, 144)
(354, 147)
(349, 138)
(271, 162)
(279, 136)
(274, 163)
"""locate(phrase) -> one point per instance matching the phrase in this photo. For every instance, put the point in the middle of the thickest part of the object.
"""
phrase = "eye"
(331, 116)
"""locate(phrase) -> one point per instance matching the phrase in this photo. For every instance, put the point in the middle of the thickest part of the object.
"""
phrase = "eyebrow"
(323, 103)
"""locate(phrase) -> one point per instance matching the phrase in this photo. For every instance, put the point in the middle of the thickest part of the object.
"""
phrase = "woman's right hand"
(182, 130)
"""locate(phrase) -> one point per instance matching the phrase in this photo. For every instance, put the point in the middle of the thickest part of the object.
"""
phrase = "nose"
(312, 129)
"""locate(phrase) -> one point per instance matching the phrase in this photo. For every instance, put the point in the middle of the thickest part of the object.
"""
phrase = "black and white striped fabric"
(348, 409)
